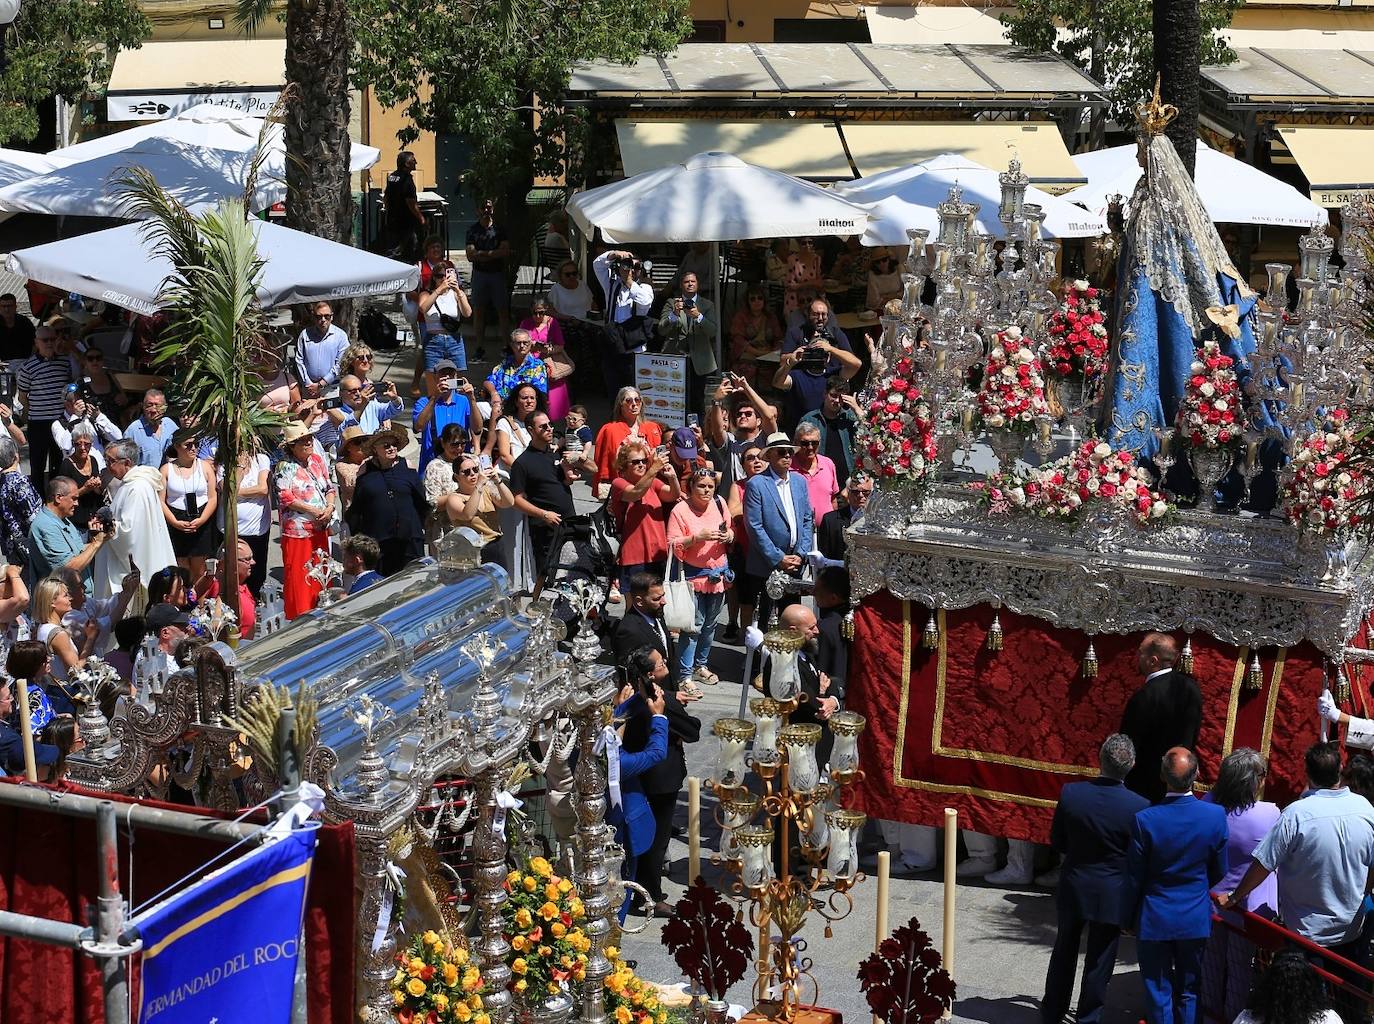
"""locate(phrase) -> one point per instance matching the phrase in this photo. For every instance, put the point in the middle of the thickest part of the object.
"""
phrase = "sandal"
(706, 676)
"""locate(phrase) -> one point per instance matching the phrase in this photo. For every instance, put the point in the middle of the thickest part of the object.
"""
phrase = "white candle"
(734, 735)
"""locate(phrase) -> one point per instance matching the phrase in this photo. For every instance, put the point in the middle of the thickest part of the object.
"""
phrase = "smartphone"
(211, 566)
(336, 402)
(484, 460)
(9, 387)
(693, 419)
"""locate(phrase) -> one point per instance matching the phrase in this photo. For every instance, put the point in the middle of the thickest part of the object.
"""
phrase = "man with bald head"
(1177, 853)
(1165, 712)
(825, 695)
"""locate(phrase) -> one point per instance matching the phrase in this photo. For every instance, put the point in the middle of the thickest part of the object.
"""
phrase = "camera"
(102, 520)
(9, 387)
(636, 266)
(84, 391)
(336, 402)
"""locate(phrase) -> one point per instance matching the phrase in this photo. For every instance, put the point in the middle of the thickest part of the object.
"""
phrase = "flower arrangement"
(1077, 346)
(1209, 416)
(435, 983)
(905, 981)
(1093, 474)
(896, 437)
(210, 618)
(628, 998)
(1327, 486)
(543, 926)
(1012, 393)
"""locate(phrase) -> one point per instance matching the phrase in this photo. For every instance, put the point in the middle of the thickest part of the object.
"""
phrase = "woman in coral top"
(627, 417)
(643, 491)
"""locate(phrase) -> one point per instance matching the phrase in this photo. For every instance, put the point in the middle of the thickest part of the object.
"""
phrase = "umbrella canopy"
(195, 176)
(207, 126)
(897, 199)
(16, 165)
(118, 265)
(713, 197)
(1232, 192)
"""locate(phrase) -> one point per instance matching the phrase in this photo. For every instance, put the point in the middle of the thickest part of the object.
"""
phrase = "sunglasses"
(633, 399)
(362, 359)
(636, 462)
(470, 471)
(808, 444)
(543, 426)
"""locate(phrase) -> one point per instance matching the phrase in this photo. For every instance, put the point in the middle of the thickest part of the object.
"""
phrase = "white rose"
(995, 420)
(1014, 333)
(1195, 418)
(1196, 368)
(1207, 390)
(1017, 495)
(1025, 356)
(998, 352)
(1221, 405)
(1080, 286)
(1158, 509)
(1009, 371)
(1304, 456)
(1343, 479)
(1074, 500)
(1333, 439)
(1092, 485)
(1102, 450)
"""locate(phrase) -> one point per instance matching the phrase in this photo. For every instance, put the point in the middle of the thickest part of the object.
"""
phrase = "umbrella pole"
(720, 306)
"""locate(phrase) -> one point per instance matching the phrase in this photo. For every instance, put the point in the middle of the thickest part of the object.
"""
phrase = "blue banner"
(226, 948)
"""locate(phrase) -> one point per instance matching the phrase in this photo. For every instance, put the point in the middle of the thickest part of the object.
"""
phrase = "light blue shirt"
(369, 421)
(1322, 848)
(317, 356)
(151, 446)
(53, 542)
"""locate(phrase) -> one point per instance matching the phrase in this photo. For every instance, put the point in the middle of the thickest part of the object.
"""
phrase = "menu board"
(662, 383)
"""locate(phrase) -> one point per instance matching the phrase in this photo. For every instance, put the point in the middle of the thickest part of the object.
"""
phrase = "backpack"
(377, 331)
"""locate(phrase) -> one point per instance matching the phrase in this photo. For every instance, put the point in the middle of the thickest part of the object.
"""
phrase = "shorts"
(489, 289)
(445, 346)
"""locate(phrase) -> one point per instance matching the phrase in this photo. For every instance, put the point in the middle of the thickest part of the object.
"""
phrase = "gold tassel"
(1185, 656)
(1090, 662)
(847, 625)
(1254, 675)
(1343, 694)
(930, 637)
(995, 633)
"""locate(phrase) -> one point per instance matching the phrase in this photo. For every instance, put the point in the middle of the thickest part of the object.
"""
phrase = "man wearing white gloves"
(1359, 732)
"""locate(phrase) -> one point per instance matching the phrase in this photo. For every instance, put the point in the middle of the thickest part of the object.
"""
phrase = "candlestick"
(734, 735)
(800, 743)
(845, 826)
(767, 713)
(845, 727)
(756, 849)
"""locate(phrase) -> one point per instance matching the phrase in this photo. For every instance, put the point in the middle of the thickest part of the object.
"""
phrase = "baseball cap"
(445, 364)
(685, 443)
(162, 615)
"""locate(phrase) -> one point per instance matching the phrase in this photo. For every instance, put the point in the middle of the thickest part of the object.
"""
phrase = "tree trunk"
(1178, 60)
(319, 195)
(229, 565)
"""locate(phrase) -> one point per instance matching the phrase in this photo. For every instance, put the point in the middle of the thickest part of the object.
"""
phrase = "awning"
(1328, 29)
(881, 146)
(926, 24)
(806, 149)
(831, 75)
(161, 79)
(1318, 79)
(1338, 160)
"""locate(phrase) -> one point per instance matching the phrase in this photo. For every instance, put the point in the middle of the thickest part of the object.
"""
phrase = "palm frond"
(275, 116)
(250, 14)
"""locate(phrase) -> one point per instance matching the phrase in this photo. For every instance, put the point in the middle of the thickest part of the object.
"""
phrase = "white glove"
(753, 638)
(1326, 707)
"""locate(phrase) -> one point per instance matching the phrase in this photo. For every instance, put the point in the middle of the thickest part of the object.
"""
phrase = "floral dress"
(803, 271)
(19, 503)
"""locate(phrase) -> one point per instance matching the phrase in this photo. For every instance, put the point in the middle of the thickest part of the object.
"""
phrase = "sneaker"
(974, 867)
(1009, 876)
(614, 596)
(705, 675)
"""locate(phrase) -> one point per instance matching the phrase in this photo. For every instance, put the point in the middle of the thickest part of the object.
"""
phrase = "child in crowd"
(576, 423)
(360, 557)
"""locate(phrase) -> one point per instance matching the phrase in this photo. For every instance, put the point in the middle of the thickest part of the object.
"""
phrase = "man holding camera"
(78, 407)
(455, 401)
(811, 354)
(358, 406)
(55, 542)
(688, 327)
(629, 327)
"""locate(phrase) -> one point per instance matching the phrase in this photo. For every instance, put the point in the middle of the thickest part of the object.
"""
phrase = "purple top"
(1245, 830)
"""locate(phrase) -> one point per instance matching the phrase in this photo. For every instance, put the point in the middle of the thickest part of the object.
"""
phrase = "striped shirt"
(45, 382)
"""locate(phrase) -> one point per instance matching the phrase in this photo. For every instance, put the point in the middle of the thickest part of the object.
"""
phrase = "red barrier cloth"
(48, 869)
(997, 734)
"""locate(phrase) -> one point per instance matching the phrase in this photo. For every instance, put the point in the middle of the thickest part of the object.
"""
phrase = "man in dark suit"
(1166, 712)
(642, 627)
(1177, 853)
(1092, 829)
(832, 605)
(830, 534)
(825, 695)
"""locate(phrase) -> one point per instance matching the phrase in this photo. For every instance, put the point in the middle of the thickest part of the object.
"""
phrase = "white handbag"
(680, 602)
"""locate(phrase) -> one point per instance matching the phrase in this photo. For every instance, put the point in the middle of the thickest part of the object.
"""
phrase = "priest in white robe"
(140, 535)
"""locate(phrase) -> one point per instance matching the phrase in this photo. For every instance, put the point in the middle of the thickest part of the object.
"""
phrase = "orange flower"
(530, 883)
(558, 929)
(548, 911)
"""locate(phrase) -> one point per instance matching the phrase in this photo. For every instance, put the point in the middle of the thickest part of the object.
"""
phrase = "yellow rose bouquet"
(436, 983)
(543, 919)
(629, 999)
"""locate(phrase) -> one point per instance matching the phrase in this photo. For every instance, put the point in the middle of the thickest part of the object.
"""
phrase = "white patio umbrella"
(1232, 191)
(206, 125)
(16, 165)
(118, 265)
(195, 176)
(927, 184)
(713, 197)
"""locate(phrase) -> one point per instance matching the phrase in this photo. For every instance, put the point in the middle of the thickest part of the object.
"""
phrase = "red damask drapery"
(48, 869)
(997, 734)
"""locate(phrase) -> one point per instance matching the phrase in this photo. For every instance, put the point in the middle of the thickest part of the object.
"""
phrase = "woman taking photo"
(443, 306)
(744, 593)
(189, 500)
(700, 534)
(547, 336)
(476, 503)
(51, 601)
(84, 466)
(357, 361)
(644, 489)
(627, 417)
(104, 389)
(305, 500)
(754, 332)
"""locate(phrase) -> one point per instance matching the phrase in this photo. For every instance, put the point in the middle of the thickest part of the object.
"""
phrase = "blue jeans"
(445, 346)
(695, 650)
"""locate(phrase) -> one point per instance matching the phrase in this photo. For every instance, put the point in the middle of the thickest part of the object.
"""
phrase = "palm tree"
(1178, 62)
(216, 334)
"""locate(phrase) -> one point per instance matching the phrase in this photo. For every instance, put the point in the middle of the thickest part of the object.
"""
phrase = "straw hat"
(295, 431)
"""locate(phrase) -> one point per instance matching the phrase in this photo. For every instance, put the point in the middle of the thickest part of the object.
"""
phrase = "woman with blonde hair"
(627, 418)
(357, 360)
(644, 489)
(51, 601)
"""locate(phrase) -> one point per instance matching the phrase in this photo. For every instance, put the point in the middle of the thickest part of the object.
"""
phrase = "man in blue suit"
(1177, 853)
(778, 516)
(1092, 829)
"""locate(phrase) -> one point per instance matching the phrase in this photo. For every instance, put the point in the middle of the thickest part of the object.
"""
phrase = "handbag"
(563, 365)
(680, 601)
(633, 333)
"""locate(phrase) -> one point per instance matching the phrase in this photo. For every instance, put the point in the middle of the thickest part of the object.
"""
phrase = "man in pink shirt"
(822, 484)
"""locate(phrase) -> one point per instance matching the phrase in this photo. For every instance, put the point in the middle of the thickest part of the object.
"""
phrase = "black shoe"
(730, 635)
(679, 831)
